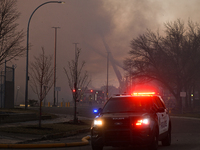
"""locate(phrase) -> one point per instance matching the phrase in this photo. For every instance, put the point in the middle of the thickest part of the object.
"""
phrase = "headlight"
(98, 122)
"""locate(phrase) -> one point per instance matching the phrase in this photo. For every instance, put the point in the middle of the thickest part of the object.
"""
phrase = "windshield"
(128, 104)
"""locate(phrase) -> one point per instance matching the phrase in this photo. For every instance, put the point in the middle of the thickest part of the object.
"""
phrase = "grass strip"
(48, 129)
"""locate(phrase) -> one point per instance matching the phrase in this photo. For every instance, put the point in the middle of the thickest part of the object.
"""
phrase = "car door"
(162, 116)
(165, 125)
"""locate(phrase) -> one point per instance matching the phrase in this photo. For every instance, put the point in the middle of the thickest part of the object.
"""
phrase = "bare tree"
(77, 80)
(41, 77)
(10, 38)
(172, 59)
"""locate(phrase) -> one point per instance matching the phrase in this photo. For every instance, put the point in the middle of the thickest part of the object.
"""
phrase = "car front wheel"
(167, 140)
(154, 143)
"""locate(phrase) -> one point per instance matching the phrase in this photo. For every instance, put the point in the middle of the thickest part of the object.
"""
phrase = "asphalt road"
(185, 132)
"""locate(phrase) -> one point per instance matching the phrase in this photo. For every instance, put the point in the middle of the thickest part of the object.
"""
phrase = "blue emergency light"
(95, 111)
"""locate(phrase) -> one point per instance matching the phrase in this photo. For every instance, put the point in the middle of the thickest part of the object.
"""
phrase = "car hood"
(122, 115)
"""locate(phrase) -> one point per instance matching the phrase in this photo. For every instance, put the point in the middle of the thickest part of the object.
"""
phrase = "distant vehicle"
(128, 120)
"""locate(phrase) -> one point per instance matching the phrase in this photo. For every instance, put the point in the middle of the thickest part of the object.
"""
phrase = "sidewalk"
(15, 138)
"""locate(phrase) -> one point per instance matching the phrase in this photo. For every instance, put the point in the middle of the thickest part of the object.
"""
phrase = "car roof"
(129, 95)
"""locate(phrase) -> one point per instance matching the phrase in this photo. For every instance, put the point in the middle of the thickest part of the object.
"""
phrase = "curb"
(84, 142)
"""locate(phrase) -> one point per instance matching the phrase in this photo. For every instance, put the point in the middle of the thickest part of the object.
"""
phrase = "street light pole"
(27, 77)
(54, 94)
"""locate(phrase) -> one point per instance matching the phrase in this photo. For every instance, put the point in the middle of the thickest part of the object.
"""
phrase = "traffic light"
(73, 90)
(91, 91)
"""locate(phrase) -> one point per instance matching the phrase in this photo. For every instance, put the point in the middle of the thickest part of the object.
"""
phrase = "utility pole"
(54, 94)
(75, 82)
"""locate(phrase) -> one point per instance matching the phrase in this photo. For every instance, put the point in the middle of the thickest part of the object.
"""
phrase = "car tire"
(154, 143)
(167, 140)
(95, 147)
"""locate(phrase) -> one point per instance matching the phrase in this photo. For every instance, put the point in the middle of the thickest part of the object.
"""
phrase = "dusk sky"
(86, 22)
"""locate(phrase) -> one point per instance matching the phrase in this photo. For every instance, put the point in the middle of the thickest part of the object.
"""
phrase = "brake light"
(144, 94)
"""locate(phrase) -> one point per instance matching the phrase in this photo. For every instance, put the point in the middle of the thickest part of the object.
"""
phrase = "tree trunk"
(75, 118)
(40, 114)
(40, 111)
(187, 97)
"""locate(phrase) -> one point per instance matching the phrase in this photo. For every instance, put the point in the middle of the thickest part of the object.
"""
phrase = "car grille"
(111, 123)
(117, 130)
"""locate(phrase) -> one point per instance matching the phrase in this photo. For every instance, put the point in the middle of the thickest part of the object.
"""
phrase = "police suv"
(140, 119)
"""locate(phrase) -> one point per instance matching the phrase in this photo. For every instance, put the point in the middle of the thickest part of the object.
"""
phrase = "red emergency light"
(143, 94)
(142, 122)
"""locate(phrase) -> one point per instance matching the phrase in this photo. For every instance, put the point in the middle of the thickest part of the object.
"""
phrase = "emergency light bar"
(144, 94)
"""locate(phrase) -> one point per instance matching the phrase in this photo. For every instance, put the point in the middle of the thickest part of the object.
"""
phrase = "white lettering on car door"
(159, 122)
(163, 120)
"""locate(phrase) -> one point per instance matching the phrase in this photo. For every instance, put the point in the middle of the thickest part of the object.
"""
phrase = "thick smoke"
(86, 22)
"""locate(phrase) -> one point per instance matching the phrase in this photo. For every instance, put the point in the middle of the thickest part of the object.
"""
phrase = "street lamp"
(27, 78)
